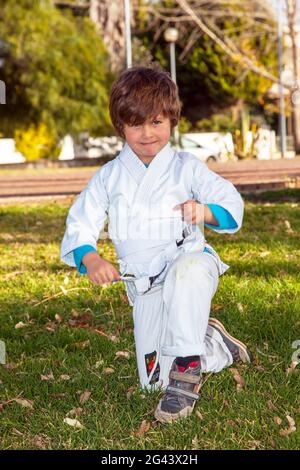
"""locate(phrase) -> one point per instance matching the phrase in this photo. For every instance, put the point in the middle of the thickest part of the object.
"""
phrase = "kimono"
(149, 236)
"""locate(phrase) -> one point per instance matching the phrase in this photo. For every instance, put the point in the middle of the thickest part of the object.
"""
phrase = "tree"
(225, 51)
(55, 69)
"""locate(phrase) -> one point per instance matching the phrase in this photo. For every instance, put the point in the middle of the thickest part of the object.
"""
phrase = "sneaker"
(238, 350)
(181, 394)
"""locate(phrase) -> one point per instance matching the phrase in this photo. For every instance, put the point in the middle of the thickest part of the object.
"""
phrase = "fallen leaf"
(24, 402)
(81, 321)
(51, 326)
(58, 318)
(290, 429)
(288, 227)
(66, 280)
(263, 254)
(75, 411)
(74, 423)
(64, 377)
(237, 377)
(277, 420)
(84, 397)
(82, 344)
(231, 423)
(195, 443)
(47, 377)
(17, 432)
(130, 391)
(64, 291)
(20, 325)
(199, 415)
(144, 428)
(292, 367)
(42, 441)
(240, 307)
(108, 370)
(273, 444)
(271, 405)
(122, 355)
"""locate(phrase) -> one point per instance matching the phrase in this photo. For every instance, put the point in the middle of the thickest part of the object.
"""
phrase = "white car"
(204, 154)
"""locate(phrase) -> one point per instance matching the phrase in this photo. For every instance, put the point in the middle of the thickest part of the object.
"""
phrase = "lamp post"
(128, 33)
(171, 36)
(282, 119)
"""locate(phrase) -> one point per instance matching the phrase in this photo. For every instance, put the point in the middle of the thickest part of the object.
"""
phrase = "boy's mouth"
(149, 143)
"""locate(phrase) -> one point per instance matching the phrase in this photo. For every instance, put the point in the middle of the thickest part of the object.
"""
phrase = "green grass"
(257, 299)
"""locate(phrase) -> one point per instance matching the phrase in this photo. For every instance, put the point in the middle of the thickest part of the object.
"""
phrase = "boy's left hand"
(192, 211)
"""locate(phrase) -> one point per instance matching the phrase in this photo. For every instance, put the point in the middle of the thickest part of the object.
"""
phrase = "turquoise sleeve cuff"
(225, 219)
(78, 254)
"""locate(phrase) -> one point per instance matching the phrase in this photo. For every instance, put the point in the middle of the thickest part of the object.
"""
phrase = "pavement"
(246, 175)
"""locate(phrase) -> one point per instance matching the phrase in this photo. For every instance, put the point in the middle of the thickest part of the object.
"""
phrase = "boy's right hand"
(99, 271)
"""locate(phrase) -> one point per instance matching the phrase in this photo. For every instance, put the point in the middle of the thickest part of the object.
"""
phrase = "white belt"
(158, 266)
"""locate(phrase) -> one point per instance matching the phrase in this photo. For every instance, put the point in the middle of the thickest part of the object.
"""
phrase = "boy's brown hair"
(141, 93)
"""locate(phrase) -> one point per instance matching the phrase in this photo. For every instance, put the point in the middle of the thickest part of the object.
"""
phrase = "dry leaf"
(24, 402)
(199, 415)
(271, 405)
(64, 377)
(264, 253)
(16, 432)
(58, 318)
(45, 378)
(288, 227)
(130, 392)
(108, 370)
(82, 344)
(277, 420)
(20, 325)
(66, 280)
(122, 355)
(292, 367)
(239, 380)
(195, 443)
(144, 427)
(75, 411)
(42, 441)
(231, 423)
(74, 423)
(240, 307)
(290, 429)
(84, 396)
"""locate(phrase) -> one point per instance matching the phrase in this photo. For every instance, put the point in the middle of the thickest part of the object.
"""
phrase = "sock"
(189, 361)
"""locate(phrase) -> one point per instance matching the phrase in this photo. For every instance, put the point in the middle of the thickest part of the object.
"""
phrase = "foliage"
(36, 142)
(55, 69)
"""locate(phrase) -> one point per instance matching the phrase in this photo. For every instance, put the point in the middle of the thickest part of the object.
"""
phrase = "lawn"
(70, 347)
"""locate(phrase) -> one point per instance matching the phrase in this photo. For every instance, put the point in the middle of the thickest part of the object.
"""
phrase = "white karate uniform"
(171, 317)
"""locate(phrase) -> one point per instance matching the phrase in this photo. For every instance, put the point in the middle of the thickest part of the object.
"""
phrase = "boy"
(157, 201)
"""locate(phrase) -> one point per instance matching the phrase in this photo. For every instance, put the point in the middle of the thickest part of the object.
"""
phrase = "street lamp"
(282, 120)
(128, 33)
(171, 36)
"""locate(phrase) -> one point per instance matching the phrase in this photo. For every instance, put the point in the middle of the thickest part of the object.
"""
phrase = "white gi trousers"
(172, 320)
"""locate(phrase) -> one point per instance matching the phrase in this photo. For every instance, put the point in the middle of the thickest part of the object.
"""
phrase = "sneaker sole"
(245, 354)
(165, 417)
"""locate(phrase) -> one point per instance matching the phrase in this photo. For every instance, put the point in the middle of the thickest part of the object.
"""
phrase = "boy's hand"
(99, 271)
(194, 212)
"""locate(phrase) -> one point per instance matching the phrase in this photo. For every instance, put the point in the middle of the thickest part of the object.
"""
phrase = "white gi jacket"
(139, 201)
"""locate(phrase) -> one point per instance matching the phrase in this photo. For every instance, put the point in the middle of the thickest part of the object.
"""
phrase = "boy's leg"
(148, 317)
(188, 290)
(194, 345)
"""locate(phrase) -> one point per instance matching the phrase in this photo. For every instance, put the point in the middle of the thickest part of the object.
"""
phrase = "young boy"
(157, 201)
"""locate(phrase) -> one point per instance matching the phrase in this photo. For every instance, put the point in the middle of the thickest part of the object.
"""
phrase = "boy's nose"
(146, 132)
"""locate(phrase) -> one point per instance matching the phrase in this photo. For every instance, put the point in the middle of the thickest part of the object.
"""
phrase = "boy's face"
(147, 139)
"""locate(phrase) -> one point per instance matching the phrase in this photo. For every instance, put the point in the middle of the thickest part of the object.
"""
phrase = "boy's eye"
(156, 121)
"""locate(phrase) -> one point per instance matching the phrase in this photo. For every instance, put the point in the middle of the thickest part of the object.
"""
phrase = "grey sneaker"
(181, 394)
(238, 350)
